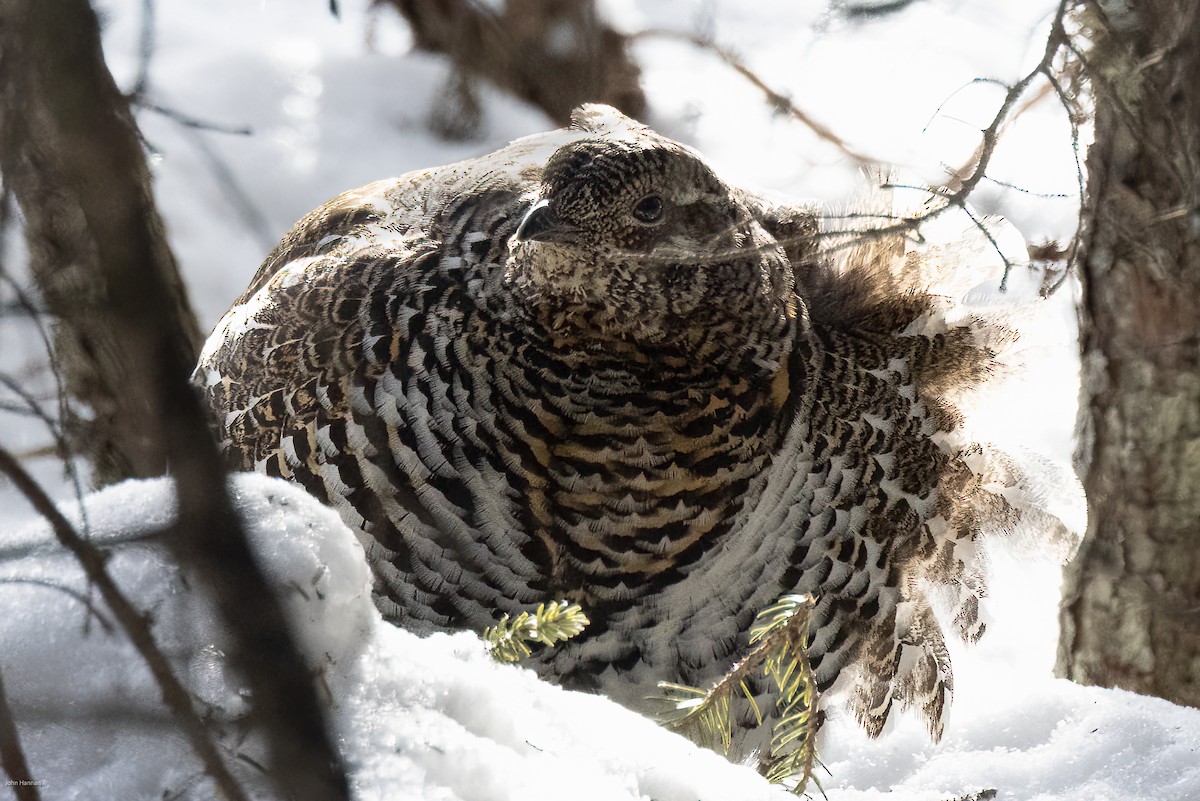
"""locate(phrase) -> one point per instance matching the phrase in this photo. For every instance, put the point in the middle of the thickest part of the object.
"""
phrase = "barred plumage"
(584, 367)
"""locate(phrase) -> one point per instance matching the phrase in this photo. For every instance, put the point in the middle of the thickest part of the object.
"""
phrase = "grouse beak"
(541, 224)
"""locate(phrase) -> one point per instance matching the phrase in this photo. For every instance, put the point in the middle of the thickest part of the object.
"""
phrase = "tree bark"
(51, 137)
(554, 54)
(1131, 608)
(72, 155)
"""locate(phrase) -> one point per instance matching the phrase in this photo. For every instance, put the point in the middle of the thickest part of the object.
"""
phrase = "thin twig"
(1010, 118)
(32, 407)
(777, 100)
(146, 44)
(990, 136)
(61, 447)
(937, 112)
(92, 609)
(187, 120)
(1008, 265)
(1075, 149)
(12, 756)
(23, 410)
(1030, 192)
(135, 624)
(956, 198)
(234, 193)
(1055, 41)
(65, 412)
(247, 211)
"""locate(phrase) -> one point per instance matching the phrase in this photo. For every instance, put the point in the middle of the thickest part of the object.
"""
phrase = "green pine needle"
(508, 641)
(778, 638)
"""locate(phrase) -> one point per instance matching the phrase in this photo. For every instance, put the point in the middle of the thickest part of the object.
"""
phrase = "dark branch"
(145, 49)
(777, 100)
(990, 135)
(135, 625)
(70, 135)
(12, 756)
(186, 120)
(93, 610)
(956, 198)
(874, 11)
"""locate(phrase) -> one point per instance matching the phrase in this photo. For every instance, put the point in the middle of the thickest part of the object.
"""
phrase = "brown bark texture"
(1131, 608)
(554, 54)
(70, 152)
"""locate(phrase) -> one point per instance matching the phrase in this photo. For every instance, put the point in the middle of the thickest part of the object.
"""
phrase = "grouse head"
(632, 199)
(632, 237)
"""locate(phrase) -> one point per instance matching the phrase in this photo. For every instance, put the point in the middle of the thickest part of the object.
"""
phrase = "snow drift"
(436, 719)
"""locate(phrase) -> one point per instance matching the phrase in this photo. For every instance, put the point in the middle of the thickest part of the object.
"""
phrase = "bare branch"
(957, 198)
(32, 406)
(873, 11)
(12, 756)
(1025, 191)
(93, 610)
(145, 49)
(957, 173)
(135, 625)
(777, 100)
(1008, 265)
(187, 120)
(990, 135)
(70, 136)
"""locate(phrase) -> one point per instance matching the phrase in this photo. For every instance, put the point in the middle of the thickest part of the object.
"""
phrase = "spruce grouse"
(584, 367)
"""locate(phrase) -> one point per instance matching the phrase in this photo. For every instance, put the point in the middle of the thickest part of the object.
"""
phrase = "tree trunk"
(55, 136)
(554, 54)
(72, 155)
(1131, 609)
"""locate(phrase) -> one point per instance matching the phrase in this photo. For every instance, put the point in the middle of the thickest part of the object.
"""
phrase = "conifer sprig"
(508, 641)
(778, 639)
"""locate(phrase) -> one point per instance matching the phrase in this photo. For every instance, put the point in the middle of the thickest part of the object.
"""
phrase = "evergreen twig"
(778, 638)
(508, 641)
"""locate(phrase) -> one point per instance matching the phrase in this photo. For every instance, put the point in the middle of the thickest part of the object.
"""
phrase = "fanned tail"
(926, 307)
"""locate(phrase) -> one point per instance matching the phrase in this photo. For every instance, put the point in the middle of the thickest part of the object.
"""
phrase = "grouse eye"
(649, 209)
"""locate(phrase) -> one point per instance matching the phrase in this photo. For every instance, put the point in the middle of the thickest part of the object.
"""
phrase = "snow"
(416, 718)
(436, 718)
(335, 104)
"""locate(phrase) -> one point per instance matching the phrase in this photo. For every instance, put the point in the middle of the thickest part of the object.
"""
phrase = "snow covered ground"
(434, 719)
(417, 719)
